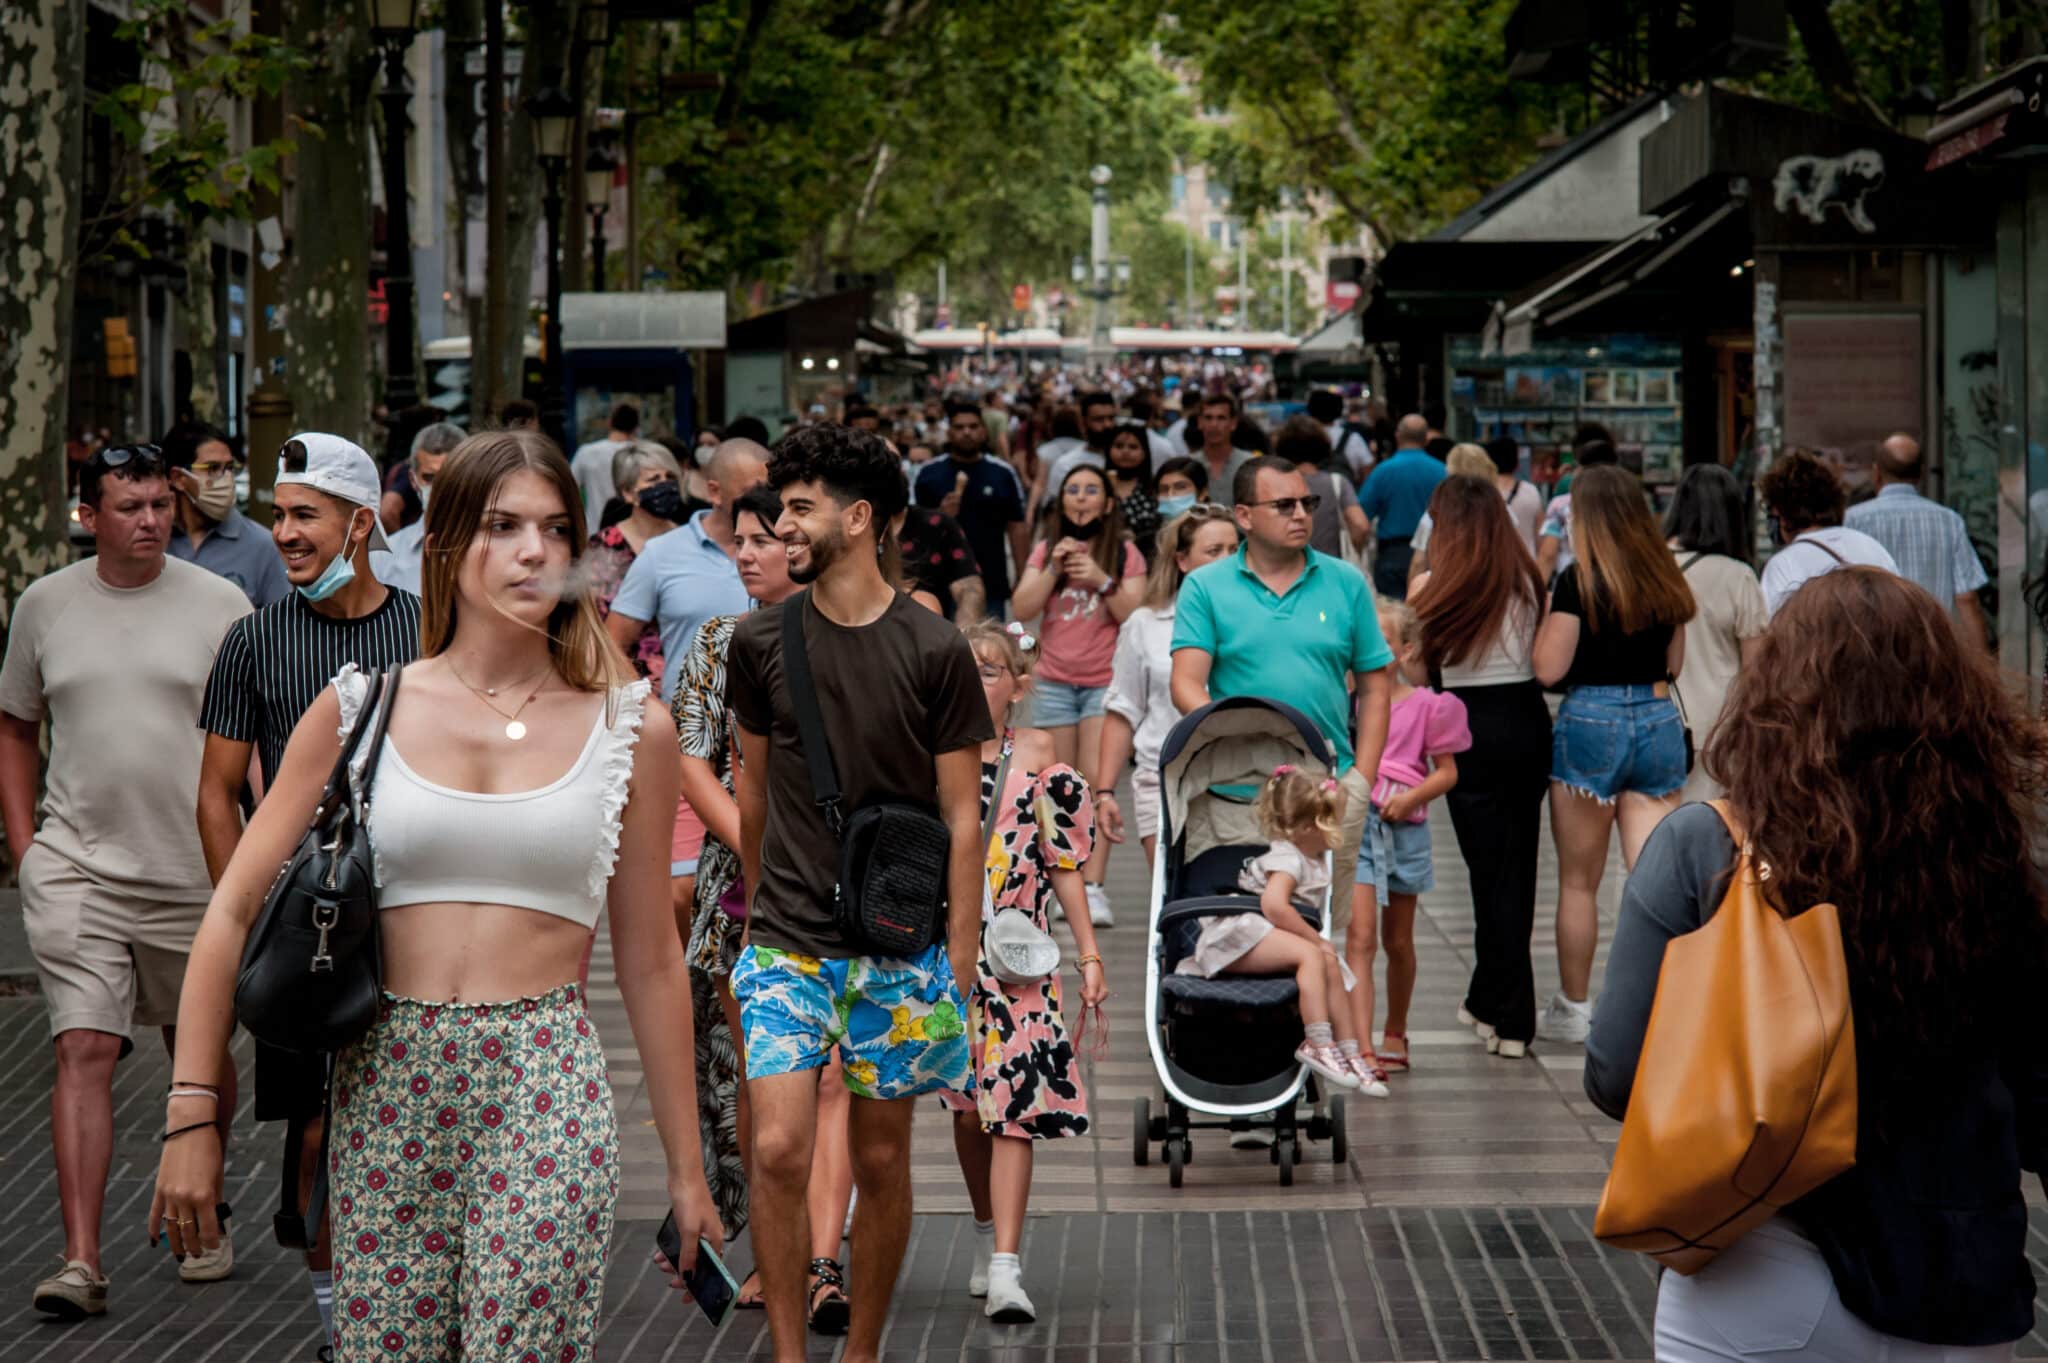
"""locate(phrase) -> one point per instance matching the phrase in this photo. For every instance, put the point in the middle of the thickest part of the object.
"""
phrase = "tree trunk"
(463, 20)
(1831, 63)
(547, 32)
(196, 324)
(327, 321)
(41, 126)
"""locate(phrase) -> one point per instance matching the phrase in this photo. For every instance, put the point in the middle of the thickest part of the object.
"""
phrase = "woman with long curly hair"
(1479, 606)
(1615, 639)
(1879, 765)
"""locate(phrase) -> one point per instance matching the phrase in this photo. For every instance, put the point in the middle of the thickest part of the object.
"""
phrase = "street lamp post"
(554, 115)
(392, 25)
(597, 201)
(1098, 252)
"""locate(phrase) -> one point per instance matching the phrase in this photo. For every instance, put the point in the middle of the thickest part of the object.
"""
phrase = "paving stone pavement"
(1458, 1229)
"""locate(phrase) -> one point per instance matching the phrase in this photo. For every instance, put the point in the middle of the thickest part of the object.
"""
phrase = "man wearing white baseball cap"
(340, 468)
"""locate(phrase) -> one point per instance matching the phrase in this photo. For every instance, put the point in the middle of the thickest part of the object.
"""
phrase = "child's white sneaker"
(1372, 1080)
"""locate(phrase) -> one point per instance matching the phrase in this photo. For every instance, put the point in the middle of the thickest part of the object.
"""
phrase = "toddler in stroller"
(1300, 815)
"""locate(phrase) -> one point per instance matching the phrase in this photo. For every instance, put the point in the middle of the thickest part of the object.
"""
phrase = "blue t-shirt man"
(991, 502)
(680, 580)
(1394, 497)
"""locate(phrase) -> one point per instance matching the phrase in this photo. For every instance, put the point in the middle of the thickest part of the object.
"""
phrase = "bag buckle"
(326, 913)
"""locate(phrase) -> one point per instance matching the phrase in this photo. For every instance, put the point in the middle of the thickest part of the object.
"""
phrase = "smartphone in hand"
(710, 1285)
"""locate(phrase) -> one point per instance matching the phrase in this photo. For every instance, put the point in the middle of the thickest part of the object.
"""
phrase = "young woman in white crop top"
(526, 783)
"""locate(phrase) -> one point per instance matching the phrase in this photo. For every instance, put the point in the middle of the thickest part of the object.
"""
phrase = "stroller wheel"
(1283, 1155)
(1340, 1145)
(1141, 1131)
(1176, 1159)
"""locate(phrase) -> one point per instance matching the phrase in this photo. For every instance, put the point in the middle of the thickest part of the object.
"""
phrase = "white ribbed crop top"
(550, 849)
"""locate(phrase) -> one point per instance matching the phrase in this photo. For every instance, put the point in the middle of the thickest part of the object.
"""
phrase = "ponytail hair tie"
(1284, 769)
(1329, 785)
(1024, 640)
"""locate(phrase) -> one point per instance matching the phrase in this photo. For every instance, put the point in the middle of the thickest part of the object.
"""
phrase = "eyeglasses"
(214, 467)
(1286, 505)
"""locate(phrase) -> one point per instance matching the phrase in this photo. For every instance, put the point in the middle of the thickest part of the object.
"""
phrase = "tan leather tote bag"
(1745, 1093)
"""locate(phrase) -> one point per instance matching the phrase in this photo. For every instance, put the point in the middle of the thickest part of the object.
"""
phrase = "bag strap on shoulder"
(995, 799)
(377, 718)
(803, 698)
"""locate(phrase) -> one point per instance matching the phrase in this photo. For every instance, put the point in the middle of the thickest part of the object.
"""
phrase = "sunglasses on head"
(146, 458)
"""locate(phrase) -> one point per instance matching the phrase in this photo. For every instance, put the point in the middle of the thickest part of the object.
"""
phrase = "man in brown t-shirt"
(902, 704)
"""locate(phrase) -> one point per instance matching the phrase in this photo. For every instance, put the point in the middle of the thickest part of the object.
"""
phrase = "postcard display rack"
(1627, 383)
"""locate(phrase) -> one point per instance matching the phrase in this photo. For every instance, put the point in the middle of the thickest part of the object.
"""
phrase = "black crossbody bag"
(312, 972)
(891, 893)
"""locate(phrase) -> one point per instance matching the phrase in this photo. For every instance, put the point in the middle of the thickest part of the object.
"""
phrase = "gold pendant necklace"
(515, 728)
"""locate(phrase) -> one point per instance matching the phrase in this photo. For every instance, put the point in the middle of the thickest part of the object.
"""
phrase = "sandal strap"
(827, 1271)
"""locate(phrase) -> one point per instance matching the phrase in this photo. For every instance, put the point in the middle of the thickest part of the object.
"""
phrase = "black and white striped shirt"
(274, 663)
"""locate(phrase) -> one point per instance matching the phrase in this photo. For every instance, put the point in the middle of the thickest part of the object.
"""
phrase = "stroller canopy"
(1214, 761)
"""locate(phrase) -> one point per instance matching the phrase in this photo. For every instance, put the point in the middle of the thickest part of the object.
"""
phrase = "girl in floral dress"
(1027, 1080)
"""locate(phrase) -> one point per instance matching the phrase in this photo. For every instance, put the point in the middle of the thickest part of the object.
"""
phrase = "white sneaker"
(1564, 1020)
(1098, 907)
(1510, 1050)
(210, 1266)
(1007, 1304)
(1483, 1030)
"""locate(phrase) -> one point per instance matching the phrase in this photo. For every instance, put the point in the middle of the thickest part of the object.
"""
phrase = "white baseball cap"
(337, 467)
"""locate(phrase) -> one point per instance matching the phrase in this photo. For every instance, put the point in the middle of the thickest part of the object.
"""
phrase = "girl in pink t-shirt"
(1425, 731)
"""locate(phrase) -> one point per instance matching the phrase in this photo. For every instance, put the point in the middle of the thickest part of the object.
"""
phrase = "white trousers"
(1771, 1297)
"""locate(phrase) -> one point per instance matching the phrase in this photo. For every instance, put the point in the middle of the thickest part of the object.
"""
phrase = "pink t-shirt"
(1422, 724)
(1076, 632)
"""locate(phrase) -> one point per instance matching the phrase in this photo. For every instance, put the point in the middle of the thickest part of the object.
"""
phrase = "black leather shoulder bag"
(893, 856)
(312, 973)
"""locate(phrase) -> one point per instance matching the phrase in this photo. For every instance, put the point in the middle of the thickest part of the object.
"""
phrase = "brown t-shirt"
(893, 694)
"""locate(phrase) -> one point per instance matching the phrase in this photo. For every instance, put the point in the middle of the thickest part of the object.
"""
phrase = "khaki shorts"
(1344, 851)
(1145, 799)
(109, 961)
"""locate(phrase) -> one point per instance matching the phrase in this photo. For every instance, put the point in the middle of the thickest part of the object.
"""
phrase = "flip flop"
(1394, 1062)
(743, 1302)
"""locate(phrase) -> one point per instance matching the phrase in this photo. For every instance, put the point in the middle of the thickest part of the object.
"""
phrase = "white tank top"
(550, 849)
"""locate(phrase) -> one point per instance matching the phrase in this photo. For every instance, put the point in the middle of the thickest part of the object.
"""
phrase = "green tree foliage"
(869, 138)
(1399, 110)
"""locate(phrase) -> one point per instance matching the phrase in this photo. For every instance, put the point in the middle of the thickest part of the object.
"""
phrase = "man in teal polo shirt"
(1281, 621)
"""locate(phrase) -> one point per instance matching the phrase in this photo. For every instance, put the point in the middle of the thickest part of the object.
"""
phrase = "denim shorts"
(1394, 858)
(1058, 704)
(1609, 740)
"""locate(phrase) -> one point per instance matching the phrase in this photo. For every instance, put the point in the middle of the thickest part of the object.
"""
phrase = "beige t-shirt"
(120, 673)
(1730, 605)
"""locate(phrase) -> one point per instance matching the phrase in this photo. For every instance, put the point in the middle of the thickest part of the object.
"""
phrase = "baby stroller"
(1224, 1048)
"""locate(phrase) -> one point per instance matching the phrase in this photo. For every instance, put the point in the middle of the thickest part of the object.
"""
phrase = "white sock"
(1350, 1048)
(1318, 1033)
(1009, 1266)
(985, 1243)
(323, 1297)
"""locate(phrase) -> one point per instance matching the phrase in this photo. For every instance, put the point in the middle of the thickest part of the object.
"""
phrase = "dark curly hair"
(1880, 765)
(852, 465)
(1802, 492)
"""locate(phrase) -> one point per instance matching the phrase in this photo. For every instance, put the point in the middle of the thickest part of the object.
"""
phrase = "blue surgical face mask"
(338, 574)
(1169, 507)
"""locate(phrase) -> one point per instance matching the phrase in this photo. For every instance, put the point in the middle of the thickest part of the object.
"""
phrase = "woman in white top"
(1139, 710)
(1709, 532)
(526, 783)
(1478, 607)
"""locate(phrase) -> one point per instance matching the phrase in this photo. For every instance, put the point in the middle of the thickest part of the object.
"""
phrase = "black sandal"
(830, 1315)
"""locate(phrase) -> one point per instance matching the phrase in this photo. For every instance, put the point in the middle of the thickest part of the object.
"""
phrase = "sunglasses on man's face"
(1287, 506)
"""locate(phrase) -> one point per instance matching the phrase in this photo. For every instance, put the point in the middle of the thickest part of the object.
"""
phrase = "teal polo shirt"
(1296, 648)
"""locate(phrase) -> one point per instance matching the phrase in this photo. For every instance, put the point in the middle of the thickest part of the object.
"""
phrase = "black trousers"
(1390, 567)
(1497, 811)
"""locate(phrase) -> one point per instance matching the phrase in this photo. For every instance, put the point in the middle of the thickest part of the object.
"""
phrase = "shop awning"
(2003, 116)
(1607, 272)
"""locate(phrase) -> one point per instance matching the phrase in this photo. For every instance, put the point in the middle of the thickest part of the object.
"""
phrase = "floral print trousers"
(474, 1168)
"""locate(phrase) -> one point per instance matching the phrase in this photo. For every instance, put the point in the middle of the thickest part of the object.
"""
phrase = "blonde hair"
(1176, 537)
(1004, 644)
(1291, 800)
(1407, 624)
(464, 493)
(1468, 460)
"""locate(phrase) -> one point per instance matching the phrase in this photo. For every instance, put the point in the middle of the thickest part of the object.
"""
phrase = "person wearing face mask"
(271, 667)
(209, 529)
(1178, 484)
(399, 565)
(649, 478)
(1086, 576)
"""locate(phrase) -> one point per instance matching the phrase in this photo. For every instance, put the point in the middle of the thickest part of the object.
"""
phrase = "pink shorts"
(686, 843)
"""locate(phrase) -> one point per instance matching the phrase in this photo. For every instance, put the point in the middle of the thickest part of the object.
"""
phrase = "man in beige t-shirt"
(114, 652)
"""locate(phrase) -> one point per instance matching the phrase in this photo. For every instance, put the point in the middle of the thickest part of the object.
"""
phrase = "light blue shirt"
(1928, 541)
(1296, 648)
(680, 580)
(242, 552)
(1398, 492)
(401, 566)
